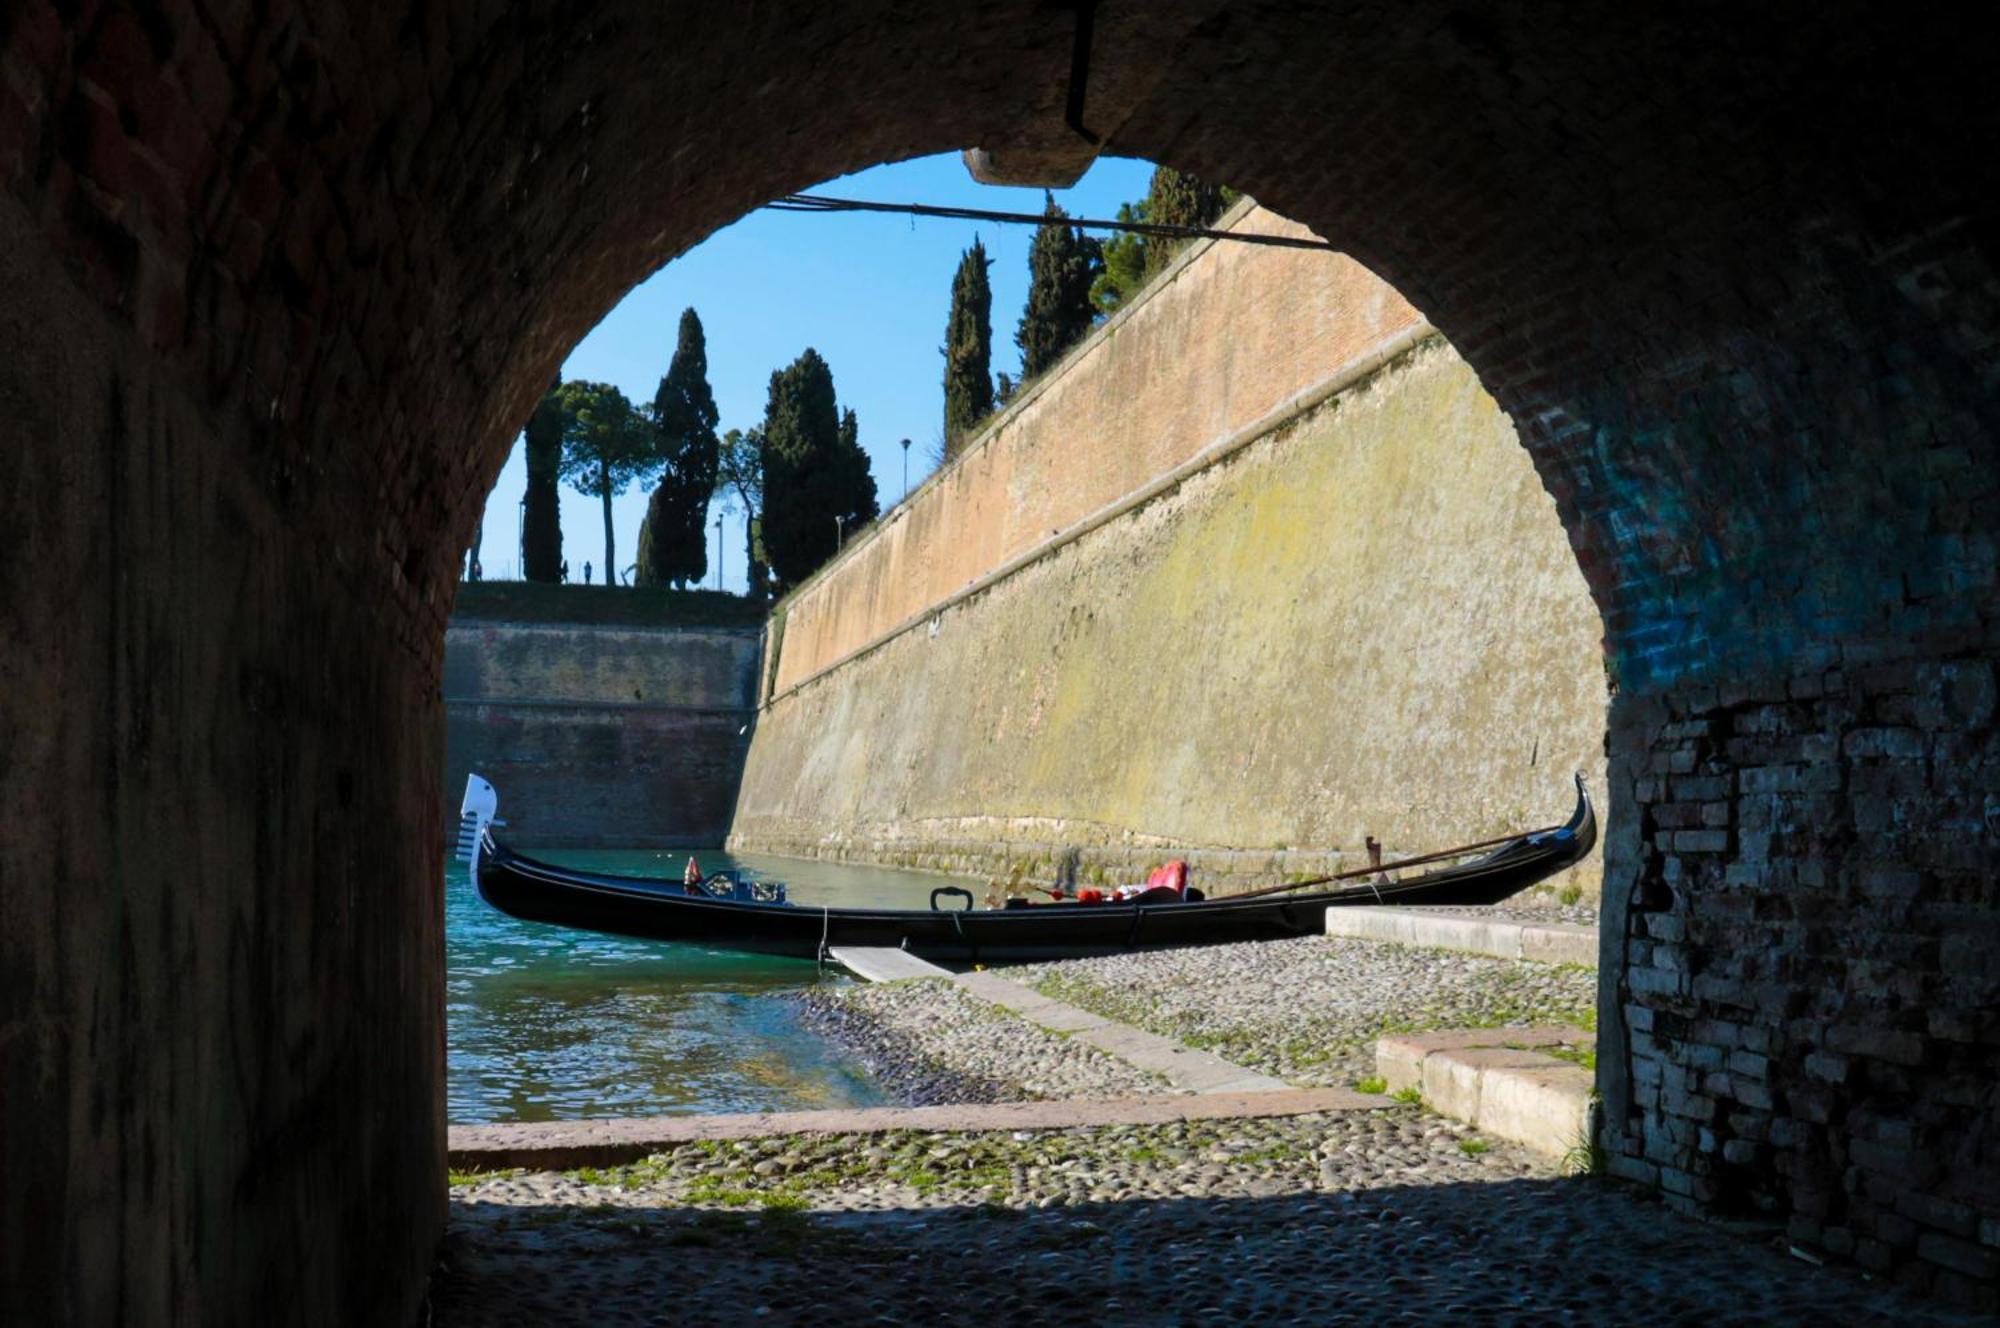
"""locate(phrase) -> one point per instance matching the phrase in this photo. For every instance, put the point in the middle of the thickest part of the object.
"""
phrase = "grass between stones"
(1337, 999)
(986, 1168)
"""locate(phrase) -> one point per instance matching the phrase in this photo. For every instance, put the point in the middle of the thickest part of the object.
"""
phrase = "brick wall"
(1261, 637)
(1224, 339)
(1810, 981)
(601, 736)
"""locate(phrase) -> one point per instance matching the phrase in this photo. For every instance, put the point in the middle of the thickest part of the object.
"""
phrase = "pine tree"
(1124, 264)
(817, 487)
(968, 349)
(1173, 198)
(606, 445)
(684, 417)
(1062, 264)
(740, 471)
(541, 521)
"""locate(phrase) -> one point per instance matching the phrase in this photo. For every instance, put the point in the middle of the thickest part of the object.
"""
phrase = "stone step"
(1542, 942)
(1497, 1080)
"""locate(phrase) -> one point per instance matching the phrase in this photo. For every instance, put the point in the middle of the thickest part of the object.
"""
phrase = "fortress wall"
(1367, 620)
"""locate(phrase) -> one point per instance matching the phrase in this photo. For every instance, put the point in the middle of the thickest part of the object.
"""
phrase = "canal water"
(546, 1023)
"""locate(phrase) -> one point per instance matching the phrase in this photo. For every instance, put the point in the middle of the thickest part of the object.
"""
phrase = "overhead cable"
(821, 203)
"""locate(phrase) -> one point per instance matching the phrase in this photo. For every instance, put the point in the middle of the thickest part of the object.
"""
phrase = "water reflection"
(546, 1023)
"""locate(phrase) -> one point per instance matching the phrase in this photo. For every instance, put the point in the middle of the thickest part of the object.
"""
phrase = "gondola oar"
(1380, 868)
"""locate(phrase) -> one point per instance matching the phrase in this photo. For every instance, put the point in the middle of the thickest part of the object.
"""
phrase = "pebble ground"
(1309, 1010)
(926, 1041)
(1366, 1217)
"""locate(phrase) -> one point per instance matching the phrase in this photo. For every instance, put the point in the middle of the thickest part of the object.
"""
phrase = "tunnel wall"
(304, 269)
(221, 1020)
(601, 736)
(1356, 616)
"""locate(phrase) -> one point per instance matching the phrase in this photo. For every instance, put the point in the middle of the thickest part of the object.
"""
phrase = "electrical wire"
(821, 203)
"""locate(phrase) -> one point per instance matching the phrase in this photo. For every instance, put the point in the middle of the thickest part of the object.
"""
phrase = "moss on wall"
(1369, 622)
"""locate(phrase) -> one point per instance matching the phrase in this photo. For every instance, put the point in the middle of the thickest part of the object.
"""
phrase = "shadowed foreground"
(1371, 1217)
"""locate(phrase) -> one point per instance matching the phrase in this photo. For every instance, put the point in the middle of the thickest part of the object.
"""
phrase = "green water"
(545, 1023)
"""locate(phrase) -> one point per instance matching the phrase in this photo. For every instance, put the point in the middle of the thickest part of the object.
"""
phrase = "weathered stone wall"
(601, 735)
(1805, 956)
(1223, 340)
(1367, 621)
(221, 985)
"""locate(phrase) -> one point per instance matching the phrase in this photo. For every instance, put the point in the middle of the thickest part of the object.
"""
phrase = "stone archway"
(281, 283)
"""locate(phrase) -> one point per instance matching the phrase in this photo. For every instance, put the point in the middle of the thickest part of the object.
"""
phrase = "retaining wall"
(1291, 598)
(626, 737)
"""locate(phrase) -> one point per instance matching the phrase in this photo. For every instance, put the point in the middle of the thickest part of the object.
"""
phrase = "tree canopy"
(1173, 198)
(541, 519)
(606, 444)
(740, 468)
(1124, 264)
(817, 485)
(968, 349)
(1062, 264)
(674, 539)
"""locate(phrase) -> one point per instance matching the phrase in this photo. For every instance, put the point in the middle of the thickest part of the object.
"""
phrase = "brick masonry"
(1364, 622)
(1809, 990)
(282, 280)
(620, 737)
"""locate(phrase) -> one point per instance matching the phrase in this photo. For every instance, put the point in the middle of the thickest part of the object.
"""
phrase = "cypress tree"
(1062, 264)
(968, 349)
(1175, 198)
(658, 517)
(817, 487)
(684, 417)
(856, 482)
(541, 522)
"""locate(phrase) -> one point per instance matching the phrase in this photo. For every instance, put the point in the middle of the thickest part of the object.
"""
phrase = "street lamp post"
(839, 532)
(718, 551)
(906, 467)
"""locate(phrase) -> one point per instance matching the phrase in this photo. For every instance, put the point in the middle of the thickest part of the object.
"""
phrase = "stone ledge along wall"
(1318, 594)
(601, 736)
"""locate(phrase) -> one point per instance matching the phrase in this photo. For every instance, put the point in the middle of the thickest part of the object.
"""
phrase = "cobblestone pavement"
(1309, 1010)
(1366, 1217)
(928, 1041)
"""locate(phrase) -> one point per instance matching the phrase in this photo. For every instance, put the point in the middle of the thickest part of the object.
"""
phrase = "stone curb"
(560, 1145)
(1543, 943)
(1495, 1080)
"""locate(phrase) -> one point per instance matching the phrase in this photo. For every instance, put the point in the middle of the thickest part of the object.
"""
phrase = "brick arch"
(281, 284)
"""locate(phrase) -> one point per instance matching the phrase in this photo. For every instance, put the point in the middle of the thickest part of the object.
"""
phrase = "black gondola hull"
(663, 910)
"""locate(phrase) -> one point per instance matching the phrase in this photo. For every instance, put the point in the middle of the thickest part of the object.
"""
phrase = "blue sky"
(870, 292)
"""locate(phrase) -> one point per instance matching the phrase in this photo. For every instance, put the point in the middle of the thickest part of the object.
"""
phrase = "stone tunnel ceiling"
(282, 281)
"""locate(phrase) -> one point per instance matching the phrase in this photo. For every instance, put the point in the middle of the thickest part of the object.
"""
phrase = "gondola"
(730, 912)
